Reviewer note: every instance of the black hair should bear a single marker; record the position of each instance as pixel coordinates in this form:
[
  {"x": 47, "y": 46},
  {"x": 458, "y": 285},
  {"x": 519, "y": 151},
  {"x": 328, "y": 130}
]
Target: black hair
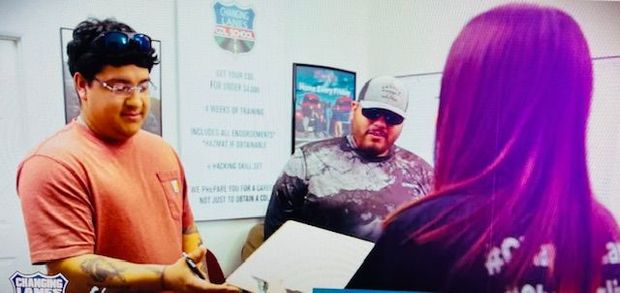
[{"x": 88, "y": 59}]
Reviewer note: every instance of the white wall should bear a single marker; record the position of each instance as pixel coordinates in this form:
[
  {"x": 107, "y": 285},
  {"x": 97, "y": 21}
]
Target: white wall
[
  {"x": 409, "y": 37},
  {"x": 369, "y": 37},
  {"x": 328, "y": 32}
]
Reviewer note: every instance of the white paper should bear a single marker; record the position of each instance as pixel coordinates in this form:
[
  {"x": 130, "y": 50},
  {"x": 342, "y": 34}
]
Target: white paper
[{"x": 300, "y": 257}]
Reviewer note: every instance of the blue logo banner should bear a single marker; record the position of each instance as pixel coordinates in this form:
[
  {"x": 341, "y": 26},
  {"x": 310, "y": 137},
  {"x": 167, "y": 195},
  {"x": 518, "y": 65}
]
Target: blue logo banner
[{"x": 38, "y": 282}]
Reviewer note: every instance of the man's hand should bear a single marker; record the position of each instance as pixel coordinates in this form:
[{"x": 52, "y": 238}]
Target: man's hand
[{"x": 179, "y": 278}]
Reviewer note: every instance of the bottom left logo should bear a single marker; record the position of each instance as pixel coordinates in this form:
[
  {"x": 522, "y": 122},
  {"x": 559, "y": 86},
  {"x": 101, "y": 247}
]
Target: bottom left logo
[{"x": 38, "y": 282}]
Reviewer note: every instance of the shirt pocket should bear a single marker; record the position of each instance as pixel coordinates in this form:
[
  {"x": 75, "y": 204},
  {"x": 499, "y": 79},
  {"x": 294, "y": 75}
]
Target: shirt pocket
[{"x": 171, "y": 184}]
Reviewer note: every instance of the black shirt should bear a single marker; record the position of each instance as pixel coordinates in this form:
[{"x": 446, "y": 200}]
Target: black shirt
[{"x": 399, "y": 263}]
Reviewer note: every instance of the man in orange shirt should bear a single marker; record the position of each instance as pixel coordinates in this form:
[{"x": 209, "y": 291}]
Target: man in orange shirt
[{"x": 104, "y": 202}]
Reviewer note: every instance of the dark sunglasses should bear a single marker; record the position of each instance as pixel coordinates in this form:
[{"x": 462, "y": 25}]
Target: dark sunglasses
[
  {"x": 117, "y": 41},
  {"x": 390, "y": 117}
]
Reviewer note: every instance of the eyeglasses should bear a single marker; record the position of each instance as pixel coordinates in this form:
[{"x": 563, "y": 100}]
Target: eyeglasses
[
  {"x": 390, "y": 117},
  {"x": 117, "y": 41},
  {"x": 125, "y": 89}
]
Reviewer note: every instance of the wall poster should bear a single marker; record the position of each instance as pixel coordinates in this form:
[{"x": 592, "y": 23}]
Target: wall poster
[
  {"x": 234, "y": 106},
  {"x": 322, "y": 99}
]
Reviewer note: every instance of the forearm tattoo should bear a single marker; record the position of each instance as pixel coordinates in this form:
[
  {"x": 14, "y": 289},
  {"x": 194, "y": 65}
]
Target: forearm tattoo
[{"x": 101, "y": 271}]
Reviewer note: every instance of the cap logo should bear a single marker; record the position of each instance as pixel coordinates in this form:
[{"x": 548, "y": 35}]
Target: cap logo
[
  {"x": 390, "y": 92},
  {"x": 385, "y": 92}
]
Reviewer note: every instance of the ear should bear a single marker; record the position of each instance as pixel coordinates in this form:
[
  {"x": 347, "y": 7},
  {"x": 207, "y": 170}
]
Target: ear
[
  {"x": 81, "y": 85},
  {"x": 354, "y": 106}
]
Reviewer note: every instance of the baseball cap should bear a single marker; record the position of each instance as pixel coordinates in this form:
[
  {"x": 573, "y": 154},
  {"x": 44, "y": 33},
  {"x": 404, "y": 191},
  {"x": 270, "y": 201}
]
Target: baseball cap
[{"x": 385, "y": 92}]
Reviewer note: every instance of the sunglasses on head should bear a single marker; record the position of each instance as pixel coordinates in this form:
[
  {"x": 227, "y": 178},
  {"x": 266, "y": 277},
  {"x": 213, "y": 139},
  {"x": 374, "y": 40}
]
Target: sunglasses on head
[
  {"x": 117, "y": 41},
  {"x": 390, "y": 117}
]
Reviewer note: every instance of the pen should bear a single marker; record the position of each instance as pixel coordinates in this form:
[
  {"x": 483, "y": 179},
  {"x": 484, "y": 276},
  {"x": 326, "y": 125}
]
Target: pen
[{"x": 192, "y": 266}]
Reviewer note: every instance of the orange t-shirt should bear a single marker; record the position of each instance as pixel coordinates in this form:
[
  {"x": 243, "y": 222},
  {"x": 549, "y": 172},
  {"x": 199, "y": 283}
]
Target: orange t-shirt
[{"x": 82, "y": 195}]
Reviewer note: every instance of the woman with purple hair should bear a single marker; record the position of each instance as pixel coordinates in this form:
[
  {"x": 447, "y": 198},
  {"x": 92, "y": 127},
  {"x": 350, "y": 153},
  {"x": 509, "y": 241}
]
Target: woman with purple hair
[{"x": 512, "y": 208}]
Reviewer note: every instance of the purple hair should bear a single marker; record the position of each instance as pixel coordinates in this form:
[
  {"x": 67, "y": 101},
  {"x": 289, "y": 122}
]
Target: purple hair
[{"x": 514, "y": 103}]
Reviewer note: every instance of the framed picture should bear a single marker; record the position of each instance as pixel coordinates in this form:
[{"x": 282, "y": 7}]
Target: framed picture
[
  {"x": 72, "y": 103},
  {"x": 322, "y": 99}
]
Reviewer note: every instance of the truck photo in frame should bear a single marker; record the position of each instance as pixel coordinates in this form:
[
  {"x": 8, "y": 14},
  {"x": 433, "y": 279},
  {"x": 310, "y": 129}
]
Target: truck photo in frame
[{"x": 322, "y": 99}]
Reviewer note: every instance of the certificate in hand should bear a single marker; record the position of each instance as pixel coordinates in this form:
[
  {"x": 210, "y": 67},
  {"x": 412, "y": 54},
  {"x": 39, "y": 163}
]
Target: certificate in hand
[{"x": 301, "y": 257}]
